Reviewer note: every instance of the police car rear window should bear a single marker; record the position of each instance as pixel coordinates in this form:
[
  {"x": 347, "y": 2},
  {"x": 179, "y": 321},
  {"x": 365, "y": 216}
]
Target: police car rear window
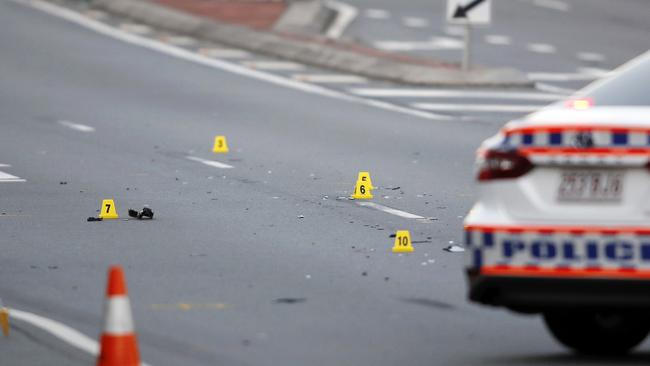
[{"x": 629, "y": 88}]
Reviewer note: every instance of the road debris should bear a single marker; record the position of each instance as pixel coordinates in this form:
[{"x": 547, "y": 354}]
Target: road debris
[
  {"x": 290, "y": 300},
  {"x": 145, "y": 213},
  {"x": 63, "y": 182},
  {"x": 301, "y": 216},
  {"x": 454, "y": 249},
  {"x": 91, "y": 219}
]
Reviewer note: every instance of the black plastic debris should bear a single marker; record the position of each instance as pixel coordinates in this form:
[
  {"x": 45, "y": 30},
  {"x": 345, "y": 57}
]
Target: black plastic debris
[
  {"x": 290, "y": 300},
  {"x": 145, "y": 213},
  {"x": 63, "y": 182},
  {"x": 91, "y": 219},
  {"x": 454, "y": 249}
]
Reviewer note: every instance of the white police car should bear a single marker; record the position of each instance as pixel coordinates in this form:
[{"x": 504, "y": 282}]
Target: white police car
[{"x": 562, "y": 226}]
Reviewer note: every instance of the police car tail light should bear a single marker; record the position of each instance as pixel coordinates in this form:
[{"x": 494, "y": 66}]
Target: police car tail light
[{"x": 497, "y": 164}]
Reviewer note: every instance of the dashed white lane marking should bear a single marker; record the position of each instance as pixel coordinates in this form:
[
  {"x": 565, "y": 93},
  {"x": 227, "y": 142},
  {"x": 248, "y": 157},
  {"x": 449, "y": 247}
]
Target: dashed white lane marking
[
  {"x": 449, "y": 93},
  {"x": 552, "y": 4},
  {"x": 331, "y": 78},
  {"x": 390, "y": 210},
  {"x": 5, "y": 165},
  {"x": 211, "y": 163},
  {"x": 65, "y": 333},
  {"x": 454, "y": 31},
  {"x": 541, "y": 48},
  {"x": 436, "y": 43},
  {"x": 553, "y": 89},
  {"x": 6, "y": 177},
  {"x": 226, "y": 53},
  {"x": 135, "y": 28},
  {"x": 498, "y": 108},
  {"x": 498, "y": 40},
  {"x": 415, "y": 22},
  {"x": 590, "y": 56},
  {"x": 346, "y": 14},
  {"x": 274, "y": 65},
  {"x": 187, "y": 55},
  {"x": 77, "y": 126},
  {"x": 376, "y": 14}
]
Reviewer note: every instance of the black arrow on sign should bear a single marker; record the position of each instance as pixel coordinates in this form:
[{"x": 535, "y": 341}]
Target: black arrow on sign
[{"x": 461, "y": 11}]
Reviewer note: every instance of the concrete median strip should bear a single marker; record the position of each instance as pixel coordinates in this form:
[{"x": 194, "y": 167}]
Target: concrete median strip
[{"x": 344, "y": 57}]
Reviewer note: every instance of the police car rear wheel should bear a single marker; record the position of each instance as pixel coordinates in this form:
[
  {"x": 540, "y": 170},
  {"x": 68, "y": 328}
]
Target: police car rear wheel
[{"x": 598, "y": 332}]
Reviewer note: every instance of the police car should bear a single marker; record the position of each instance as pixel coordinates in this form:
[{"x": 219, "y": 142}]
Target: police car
[{"x": 562, "y": 225}]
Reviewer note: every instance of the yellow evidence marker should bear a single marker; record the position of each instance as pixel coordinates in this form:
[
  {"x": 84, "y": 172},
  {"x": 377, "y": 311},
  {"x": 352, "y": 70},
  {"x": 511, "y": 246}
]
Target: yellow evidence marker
[
  {"x": 108, "y": 211},
  {"x": 362, "y": 191},
  {"x": 4, "y": 321},
  {"x": 220, "y": 145},
  {"x": 402, "y": 242},
  {"x": 365, "y": 177}
]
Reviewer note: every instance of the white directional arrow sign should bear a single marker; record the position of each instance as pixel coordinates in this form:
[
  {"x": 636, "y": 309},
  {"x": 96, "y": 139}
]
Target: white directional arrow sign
[{"x": 469, "y": 11}]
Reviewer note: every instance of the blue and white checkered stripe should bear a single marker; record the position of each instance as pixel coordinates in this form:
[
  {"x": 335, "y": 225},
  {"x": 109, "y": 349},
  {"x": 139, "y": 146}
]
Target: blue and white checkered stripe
[{"x": 605, "y": 139}]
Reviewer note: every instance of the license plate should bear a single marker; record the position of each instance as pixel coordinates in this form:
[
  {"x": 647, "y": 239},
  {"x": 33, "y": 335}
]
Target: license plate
[{"x": 591, "y": 185}]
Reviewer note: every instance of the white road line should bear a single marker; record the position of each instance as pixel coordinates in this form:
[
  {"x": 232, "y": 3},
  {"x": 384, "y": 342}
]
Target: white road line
[
  {"x": 552, "y": 4},
  {"x": 455, "y": 31},
  {"x": 65, "y": 333},
  {"x": 584, "y": 73},
  {"x": 452, "y": 93},
  {"x": 345, "y": 16},
  {"x": 541, "y": 48},
  {"x": 376, "y": 14},
  {"x": 187, "y": 55},
  {"x": 211, "y": 163},
  {"x": 498, "y": 40},
  {"x": 5, "y": 165},
  {"x": 390, "y": 210},
  {"x": 590, "y": 56},
  {"x": 436, "y": 43},
  {"x": 553, "y": 89},
  {"x": 226, "y": 53},
  {"x": 330, "y": 78},
  {"x": 503, "y": 108},
  {"x": 77, "y": 126},
  {"x": 6, "y": 177},
  {"x": 135, "y": 28},
  {"x": 273, "y": 65},
  {"x": 415, "y": 22}
]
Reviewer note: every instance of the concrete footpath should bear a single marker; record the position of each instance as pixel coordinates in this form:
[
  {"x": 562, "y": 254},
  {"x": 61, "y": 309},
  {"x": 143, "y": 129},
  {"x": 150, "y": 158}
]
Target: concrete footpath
[{"x": 181, "y": 17}]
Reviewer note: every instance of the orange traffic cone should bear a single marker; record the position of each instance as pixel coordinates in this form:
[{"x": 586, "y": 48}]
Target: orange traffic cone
[{"x": 119, "y": 346}]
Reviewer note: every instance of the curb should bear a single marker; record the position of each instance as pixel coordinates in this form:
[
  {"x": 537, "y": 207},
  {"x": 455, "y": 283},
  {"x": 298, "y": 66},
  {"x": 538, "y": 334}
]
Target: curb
[{"x": 373, "y": 64}]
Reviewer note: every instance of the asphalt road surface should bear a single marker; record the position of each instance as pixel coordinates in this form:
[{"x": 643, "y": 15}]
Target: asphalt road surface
[{"x": 259, "y": 264}]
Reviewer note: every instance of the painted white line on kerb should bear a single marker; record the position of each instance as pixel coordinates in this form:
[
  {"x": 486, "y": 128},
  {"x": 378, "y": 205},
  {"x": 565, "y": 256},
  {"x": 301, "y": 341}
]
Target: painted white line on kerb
[
  {"x": 376, "y": 14},
  {"x": 541, "y": 48},
  {"x": 449, "y": 93},
  {"x": 331, "y": 78},
  {"x": 552, "y": 4},
  {"x": 436, "y": 43},
  {"x": 6, "y": 177},
  {"x": 497, "y": 40},
  {"x": 77, "y": 126},
  {"x": 135, "y": 28},
  {"x": 65, "y": 333},
  {"x": 390, "y": 210},
  {"x": 211, "y": 163},
  {"x": 229, "y": 53},
  {"x": 187, "y": 55},
  {"x": 346, "y": 14},
  {"x": 516, "y": 108},
  {"x": 273, "y": 65}
]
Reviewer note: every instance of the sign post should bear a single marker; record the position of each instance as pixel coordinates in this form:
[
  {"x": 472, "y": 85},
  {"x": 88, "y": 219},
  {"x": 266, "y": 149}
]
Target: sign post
[{"x": 468, "y": 13}]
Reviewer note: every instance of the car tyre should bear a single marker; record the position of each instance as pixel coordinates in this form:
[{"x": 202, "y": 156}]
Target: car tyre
[{"x": 598, "y": 332}]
